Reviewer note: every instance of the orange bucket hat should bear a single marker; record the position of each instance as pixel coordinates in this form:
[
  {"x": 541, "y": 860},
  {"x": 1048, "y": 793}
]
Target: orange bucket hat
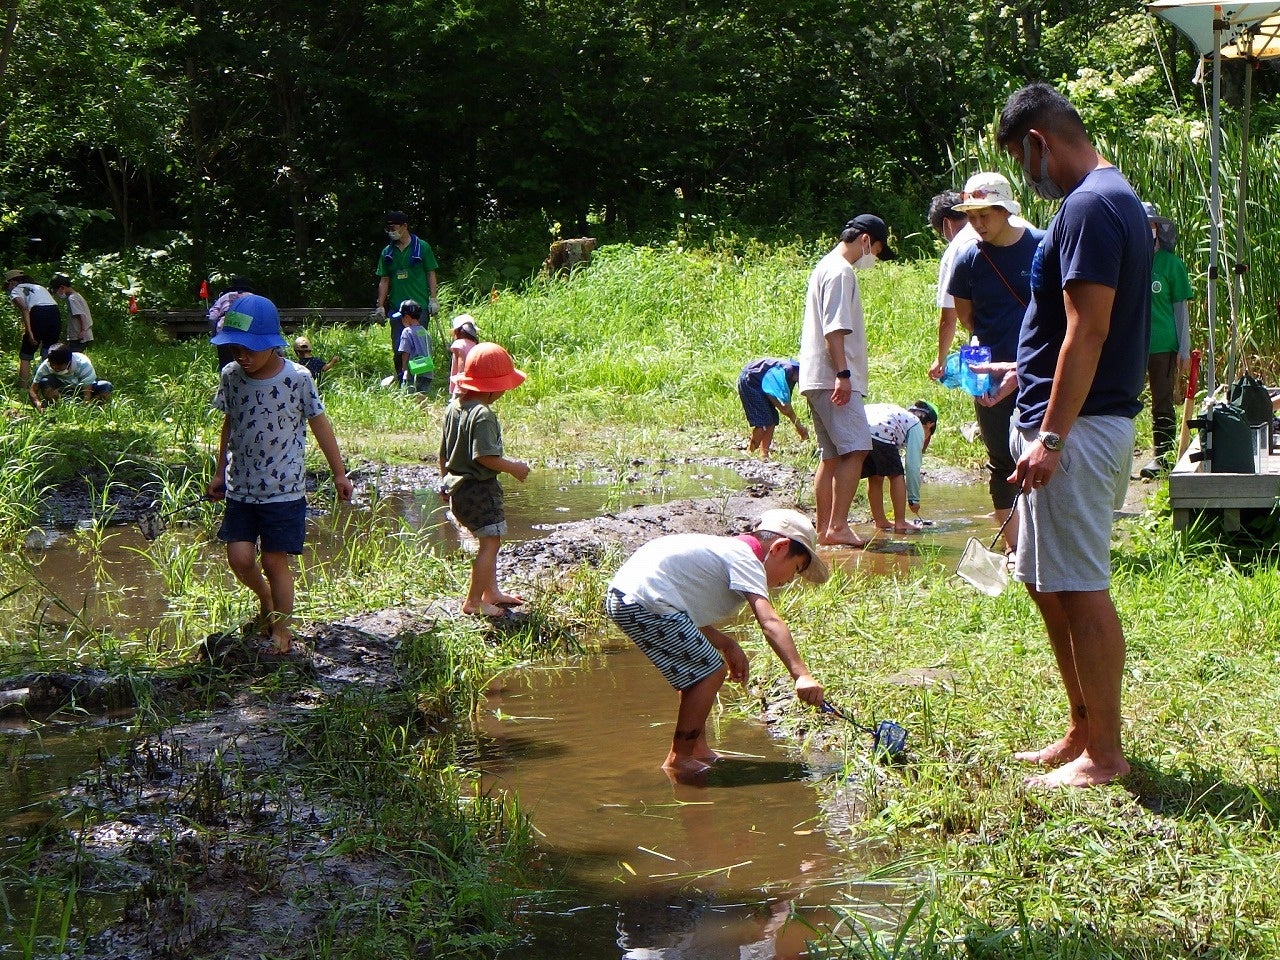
[{"x": 488, "y": 370}]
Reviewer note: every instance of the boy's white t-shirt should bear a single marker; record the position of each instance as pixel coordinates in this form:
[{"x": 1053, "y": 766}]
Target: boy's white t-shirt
[
  {"x": 84, "y": 327},
  {"x": 704, "y": 576},
  {"x": 267, "y": 444}
]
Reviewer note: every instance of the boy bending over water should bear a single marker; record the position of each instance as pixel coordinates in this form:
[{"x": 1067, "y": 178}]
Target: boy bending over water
[{"x": 667, "y": 597}]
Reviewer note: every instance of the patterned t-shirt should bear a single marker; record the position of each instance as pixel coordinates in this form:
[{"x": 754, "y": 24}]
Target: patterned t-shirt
[{"x": 268, "y": 435}]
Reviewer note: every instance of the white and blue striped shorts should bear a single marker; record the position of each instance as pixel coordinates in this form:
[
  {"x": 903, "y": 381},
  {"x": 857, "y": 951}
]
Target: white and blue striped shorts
[{"x": 671, "y": 641}]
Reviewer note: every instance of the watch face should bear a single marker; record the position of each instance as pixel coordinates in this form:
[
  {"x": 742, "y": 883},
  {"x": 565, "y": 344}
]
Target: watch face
[{"x": 1051, "y": 440}]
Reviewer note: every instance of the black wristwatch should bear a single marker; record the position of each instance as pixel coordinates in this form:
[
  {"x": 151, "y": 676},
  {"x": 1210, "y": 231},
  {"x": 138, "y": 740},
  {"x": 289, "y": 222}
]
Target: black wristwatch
[
  {"x": 844, "y": 374},
  {"x": 1051, "y": 441}
]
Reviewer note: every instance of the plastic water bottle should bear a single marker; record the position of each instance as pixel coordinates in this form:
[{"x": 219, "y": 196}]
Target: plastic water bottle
[
  {"x": 951, "y": 371},
  {"x": 975, "y": 384}
]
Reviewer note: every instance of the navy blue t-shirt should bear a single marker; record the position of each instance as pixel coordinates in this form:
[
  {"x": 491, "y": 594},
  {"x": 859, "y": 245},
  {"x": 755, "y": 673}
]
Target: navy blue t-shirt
[
  {"x": 998, "y": 307},
  {"x": 1101, "y": 235}
]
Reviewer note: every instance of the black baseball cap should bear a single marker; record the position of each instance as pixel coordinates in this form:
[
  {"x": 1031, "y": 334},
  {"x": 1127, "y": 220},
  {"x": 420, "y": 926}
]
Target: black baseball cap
[
  {"x": 397, "y": 216},
  {"x": 872, "y": 225}
]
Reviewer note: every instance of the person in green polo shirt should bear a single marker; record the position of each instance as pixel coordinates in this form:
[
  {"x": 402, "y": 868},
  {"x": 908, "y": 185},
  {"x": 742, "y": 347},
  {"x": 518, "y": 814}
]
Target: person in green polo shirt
[
  {"x": 406, "y": 271},
  {"x": 1170, "y": 351}
]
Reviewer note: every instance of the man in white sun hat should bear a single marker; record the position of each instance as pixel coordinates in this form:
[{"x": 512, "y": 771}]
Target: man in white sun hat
[
  {"x": 991, "y": 287},
  {"x": 672, "y": 591}
]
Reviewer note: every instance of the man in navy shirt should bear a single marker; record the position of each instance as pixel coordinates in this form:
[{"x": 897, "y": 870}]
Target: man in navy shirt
[
  {"x": 991, "y": 288},
  {"x": 1080, "y": 368}
]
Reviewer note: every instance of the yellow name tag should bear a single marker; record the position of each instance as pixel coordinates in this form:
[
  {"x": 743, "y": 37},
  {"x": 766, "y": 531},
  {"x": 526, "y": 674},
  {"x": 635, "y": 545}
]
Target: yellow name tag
[{"x": 402, "y": 275}]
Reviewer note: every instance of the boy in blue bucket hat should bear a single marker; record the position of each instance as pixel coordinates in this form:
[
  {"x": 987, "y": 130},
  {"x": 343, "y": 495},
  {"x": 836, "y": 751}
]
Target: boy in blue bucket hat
[{"x": 267, "y": 404}]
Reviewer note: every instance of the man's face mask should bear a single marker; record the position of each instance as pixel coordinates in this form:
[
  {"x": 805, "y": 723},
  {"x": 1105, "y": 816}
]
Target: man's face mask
[
  {"x": 867, "y": 260},
  {"x": 393, "y": 231},
  {"x": 1044, "y": 188}
]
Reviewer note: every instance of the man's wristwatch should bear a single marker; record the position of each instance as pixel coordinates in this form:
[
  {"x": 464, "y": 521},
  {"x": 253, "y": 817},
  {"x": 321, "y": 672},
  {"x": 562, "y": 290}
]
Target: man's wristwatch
[
  {"x": 844, "y": 374},
  {"x": 1051, "y": 441}
]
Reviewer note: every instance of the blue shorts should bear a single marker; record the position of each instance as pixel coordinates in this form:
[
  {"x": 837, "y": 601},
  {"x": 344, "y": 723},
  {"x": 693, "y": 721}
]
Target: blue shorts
[
  {"x": 755, "y": 404},
  {"x": 672, "y": 642},
  {"x": 277, "y": 527}
]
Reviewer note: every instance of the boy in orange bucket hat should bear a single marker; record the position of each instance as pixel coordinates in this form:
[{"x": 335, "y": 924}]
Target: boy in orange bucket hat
[{"x": 471, "y": 459}]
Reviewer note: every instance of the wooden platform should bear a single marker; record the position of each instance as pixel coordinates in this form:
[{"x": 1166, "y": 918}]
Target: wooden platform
[
  {"x": 193, "y": 323},
  {"x": 1192, "y": 490}
]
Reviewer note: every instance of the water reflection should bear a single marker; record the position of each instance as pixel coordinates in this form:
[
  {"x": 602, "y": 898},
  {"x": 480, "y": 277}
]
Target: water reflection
[{"x": 739, "y": 868}]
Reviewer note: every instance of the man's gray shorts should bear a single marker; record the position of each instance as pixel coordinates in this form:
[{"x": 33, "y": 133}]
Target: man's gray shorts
[
  {"x": 1064, "y": 537},
  {"x": 839, "y": 430}
]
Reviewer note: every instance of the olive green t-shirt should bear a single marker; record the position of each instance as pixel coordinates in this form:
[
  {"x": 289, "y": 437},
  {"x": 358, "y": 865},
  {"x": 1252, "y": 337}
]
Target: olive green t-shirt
[{"x": 470, "y": 430}]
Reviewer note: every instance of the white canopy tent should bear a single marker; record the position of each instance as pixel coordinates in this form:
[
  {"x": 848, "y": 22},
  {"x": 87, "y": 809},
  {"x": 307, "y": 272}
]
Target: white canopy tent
[{"x": 1210, "y": 26}]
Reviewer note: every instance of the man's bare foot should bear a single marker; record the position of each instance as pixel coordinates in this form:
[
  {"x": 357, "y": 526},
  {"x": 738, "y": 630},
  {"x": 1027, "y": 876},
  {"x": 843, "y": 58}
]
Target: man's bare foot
[
  {"x": 500, "y": 599},
  {"x": 1055, "y": 754},
  {"x": 1083, "y": 771},
  {"x": 706, "y": 756},
  {"x": 483, "y": 609},
  {"x": 842, "y": 538}
]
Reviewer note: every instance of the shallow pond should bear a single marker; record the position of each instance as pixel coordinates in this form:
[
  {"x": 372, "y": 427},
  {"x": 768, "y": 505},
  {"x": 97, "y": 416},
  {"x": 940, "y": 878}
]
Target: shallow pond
[
  {"x": 636, "y": 866},
  {"x": 644, "y": 866}
]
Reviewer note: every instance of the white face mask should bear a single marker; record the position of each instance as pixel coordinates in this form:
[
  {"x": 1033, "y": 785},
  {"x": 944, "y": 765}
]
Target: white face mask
[
  {"x": 394, "y": 234},
  {"x": 868, "y": 259}
]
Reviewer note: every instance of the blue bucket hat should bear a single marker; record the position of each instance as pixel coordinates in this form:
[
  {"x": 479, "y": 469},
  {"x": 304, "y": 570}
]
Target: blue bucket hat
[{"x": 253, "y": 323}]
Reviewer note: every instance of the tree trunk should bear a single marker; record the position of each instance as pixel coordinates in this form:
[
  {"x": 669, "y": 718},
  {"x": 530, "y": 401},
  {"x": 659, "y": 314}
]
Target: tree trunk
[{"x": 10, "y": 28}]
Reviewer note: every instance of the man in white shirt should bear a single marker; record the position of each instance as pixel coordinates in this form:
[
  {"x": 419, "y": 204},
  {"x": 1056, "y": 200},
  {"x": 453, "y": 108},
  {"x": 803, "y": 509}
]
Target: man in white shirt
[{"x": 833, "y": 372}]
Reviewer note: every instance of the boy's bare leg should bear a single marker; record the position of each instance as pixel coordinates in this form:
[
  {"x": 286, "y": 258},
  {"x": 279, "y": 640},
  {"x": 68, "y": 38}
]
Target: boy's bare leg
[
  {"x": 875, "y": 500},
  {"x": 690, "y": 755},
  {"x": 24, "y": 373},
  {"x": 484, "y": 580},
  {"x": 757, "y": 436},
  {"x": 898, "y": 497},
  {"x": 242, "y": 557},
  {"x": 279, "y": 576},
  {"x": 766, "y": 442}
]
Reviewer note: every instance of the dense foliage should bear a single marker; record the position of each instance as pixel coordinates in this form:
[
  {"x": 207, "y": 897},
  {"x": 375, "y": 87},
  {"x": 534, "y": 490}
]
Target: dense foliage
[{"x": 269, "y": 138}]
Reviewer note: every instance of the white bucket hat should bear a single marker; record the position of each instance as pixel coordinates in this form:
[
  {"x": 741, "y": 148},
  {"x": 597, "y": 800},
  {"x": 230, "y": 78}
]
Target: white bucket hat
[
  {"x": 794, "y": 525},
  {"x": 984, "y": 190}
]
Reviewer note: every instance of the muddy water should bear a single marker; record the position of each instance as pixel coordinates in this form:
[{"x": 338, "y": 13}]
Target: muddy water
[
  {"x": 639, "y": 868},
  {"x": 636, "y": 863}
]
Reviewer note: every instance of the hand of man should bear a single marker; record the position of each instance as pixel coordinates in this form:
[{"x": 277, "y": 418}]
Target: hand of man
[
  {"x": 841, "y": 393},
  {"x": 380, "y": 312},
  {"x": 433, "y": 307}
]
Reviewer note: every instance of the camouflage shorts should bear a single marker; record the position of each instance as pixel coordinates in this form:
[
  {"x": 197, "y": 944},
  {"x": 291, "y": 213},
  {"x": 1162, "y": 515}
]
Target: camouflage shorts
[{"x": 477, "y": 505}]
